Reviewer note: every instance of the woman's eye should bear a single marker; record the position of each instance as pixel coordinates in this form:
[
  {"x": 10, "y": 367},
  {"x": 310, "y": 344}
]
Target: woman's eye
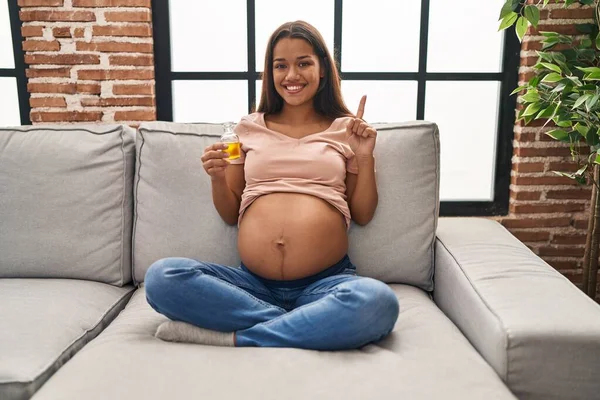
[{"x": 279, "y": 66}]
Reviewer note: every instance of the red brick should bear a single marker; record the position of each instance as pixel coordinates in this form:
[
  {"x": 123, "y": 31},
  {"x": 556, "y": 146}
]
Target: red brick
[
  {"x": 115, "y": 47},
  {"x": 574, "y": 13},
  {"x": 128, "y": 16},
  {"x": 66, "y": 88},
  {"x": 35, "y": 102},
  {"x": 569, "y": 239},
  {"x": 565, "y": 29},
  {"x": 48, "y": 72},
  {"x": 62, "y": 32},
  {"x": 137, "y": 115},
  {"x": 40, "y": 3},
  {"x": 88, "y": 88},
  {"x": 141, "y": 60},
  {"x": 580, "y": 224},
  {"x": 531, "y": 236},
  {"x": 133, "y": 89},
  {"x": 41, "y": 45},
  {"x": 575, "y": 194},
  {"x": 562, "y": 251},
  {"x": 532, "y": 45},
  {"x": 542, "y": 180},
  {"x": 79, "y": 32},
  {"x": 68, "y": 16},
  {"x": 536, "y": 222},
  {"x": 524, "y": 77},
  {"x": 111, "y": 3},
  {"x": 62, "y": 59},
  {"x": 119, "y": 102},
  {"x": 133, "y": 31},
  {"x": 65, "y": 116},
  {"x": 546, "y": 208},
  {"x": 542, "y": 151},
  {"x": 115, "y": 74},
  {"x": 525, "y": 136},
  {"x": 529, "y": 167},
  {"x": 522, "y": 195},
  {"x": 32, "y": 31},
  {"x": 564, "y": 266},
  {"x": 564, "y": 166}
]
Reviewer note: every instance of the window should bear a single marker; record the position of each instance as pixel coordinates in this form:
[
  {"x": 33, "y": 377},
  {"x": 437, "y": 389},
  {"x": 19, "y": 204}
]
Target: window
[
  {"x": 414, "y": 60},
  {"x": 14, "y": 106}
]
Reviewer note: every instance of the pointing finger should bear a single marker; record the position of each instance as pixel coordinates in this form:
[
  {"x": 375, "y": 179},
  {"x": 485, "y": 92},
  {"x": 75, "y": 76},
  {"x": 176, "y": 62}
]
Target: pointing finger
[{"x": 361, "y": 107}]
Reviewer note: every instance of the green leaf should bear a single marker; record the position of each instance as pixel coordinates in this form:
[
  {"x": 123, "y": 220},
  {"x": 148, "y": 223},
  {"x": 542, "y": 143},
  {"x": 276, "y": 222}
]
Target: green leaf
[
  {"x": 582, "y": 129},
  {"x": 586, "y": 2},
  {"x": 591, "y": 102},
  {"x": 589, "y": 70},
  {"x": 595, "y": 76},
  {"x": 581, "y": 100},
  {"x": 532, "y": 109},
  {"x": 521, "y": 27},
  {"x": 532, "y": 14},
  {"x": 506, "y": 9},
  {"x": 558, "y": 134},
  {"x": 552, "y": 67},
  {"x": 585, "y": 43},
  {"x": 552, "y": 77},
  {"x": 518, "y": 89},
  {"x": 531, "y": 96},
  {"x": 597, "y": 160},
  {"x": 585, "y": 28},
  {"x": 591, "y": 137},
  {"x": 598, "y": 41},
  {"x": 508, "y": 20},
  {"x": 564, "y": 124},
  {"x": 547, "y": 112}
]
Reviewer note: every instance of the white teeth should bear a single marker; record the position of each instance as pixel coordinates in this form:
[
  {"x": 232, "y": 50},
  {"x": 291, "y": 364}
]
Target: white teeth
[{"x": 293, "y": 88}]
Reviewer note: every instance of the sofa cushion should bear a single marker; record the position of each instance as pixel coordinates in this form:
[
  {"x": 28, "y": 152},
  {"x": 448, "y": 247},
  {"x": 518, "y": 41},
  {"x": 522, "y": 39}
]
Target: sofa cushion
[
  {"x": 425, "y": 357},
  {"x": 66, "y": 202},
  {"x": 44, "y": 322},
  {"x": 175, "y": 215}
]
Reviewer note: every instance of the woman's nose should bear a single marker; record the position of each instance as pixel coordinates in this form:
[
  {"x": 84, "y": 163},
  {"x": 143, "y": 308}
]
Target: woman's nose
[{"x": 292, "y": 73}]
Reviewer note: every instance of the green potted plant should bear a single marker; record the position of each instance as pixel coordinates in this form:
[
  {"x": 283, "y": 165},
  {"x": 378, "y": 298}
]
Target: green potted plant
[{"x": 566, "y": 92}]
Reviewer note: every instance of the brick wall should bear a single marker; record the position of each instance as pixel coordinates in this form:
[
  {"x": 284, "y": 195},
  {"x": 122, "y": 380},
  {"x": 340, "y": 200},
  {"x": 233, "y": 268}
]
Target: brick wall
[
  {"x": 92, "y": 60},
  {"x": 548, "y": 212},
  {"x": 89, "y": 60}
]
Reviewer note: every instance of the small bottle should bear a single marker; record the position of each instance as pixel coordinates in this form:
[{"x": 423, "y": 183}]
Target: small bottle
[{"x": 231, "y": 140}]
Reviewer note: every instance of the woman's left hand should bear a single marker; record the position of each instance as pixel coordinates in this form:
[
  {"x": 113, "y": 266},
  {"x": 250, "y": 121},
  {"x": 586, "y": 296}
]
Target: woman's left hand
[{"x": 361, "y": 136}]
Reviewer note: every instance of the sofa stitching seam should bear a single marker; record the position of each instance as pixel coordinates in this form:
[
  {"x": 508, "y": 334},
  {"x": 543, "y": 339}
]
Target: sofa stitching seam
[{"x": 122, "y": 269}]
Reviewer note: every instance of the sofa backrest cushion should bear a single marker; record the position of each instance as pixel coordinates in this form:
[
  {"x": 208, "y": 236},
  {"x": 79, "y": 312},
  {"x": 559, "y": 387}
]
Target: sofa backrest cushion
[
  {"x": 175, "y": 215},
  {"x": 66, "y": 202}
]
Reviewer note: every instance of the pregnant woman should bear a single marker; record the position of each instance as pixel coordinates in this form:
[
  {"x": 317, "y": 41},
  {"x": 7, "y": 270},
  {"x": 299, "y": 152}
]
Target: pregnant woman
[{"x": 306, "y": 170}]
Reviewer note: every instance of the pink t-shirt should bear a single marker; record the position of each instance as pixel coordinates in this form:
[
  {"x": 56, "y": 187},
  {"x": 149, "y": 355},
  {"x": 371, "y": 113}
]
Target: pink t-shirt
[{"x": 315, "y": 164}]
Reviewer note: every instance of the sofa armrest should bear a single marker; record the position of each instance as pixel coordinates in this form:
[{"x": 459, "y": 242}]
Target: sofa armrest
[{"x": 532, "y": 325}]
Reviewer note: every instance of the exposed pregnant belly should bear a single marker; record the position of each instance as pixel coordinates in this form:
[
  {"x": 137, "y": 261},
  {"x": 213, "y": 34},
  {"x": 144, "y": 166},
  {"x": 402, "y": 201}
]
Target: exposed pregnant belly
[{"x": 287, "y": 236}]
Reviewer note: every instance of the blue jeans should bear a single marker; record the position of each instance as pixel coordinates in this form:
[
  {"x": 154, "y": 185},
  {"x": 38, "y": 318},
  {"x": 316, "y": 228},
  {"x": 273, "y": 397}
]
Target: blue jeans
[{"x": 332, "y": 310}]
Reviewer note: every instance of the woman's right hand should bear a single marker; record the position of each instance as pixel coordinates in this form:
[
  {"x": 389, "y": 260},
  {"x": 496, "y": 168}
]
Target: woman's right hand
[{"x": 214, "y": 160}]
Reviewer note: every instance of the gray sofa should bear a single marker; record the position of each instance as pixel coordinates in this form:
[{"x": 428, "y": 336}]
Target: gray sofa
[{"x": 85, "y": 210}]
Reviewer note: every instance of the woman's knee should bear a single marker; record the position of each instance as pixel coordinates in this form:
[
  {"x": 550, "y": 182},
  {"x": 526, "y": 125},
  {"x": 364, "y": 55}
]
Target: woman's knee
[
  {"x": 378, "y": 303},
  {"x": 159, "y": 274}
]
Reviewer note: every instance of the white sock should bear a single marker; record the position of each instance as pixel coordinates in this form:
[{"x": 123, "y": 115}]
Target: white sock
[{"x": 177, "y": 331}]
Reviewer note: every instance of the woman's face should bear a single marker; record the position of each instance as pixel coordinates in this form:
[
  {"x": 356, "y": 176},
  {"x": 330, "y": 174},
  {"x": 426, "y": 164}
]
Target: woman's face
[{"x": 296, "y": 71}]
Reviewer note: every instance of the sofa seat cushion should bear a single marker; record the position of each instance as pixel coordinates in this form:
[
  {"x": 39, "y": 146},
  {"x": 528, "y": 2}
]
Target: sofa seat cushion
[
  {"x": 425, "y": 357},
  {"x": 44, "y": 322}
]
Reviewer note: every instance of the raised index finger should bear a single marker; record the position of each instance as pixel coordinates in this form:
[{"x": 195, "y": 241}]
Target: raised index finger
[{"x": 361, "y": 107}]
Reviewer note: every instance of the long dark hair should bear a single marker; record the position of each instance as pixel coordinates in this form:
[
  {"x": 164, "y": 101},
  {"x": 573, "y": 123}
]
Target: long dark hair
[{"x": 328, "y": 101}]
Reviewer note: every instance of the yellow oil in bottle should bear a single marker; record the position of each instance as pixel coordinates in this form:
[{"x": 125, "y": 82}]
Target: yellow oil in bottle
[{"x": 233, "y": 149}]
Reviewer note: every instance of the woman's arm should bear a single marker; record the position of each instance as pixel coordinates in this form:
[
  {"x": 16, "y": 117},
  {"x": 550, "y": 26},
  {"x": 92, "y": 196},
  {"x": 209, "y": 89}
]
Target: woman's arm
[
  {"x": 361, "y": 190},
  {"x": 227, "y": 193}
]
